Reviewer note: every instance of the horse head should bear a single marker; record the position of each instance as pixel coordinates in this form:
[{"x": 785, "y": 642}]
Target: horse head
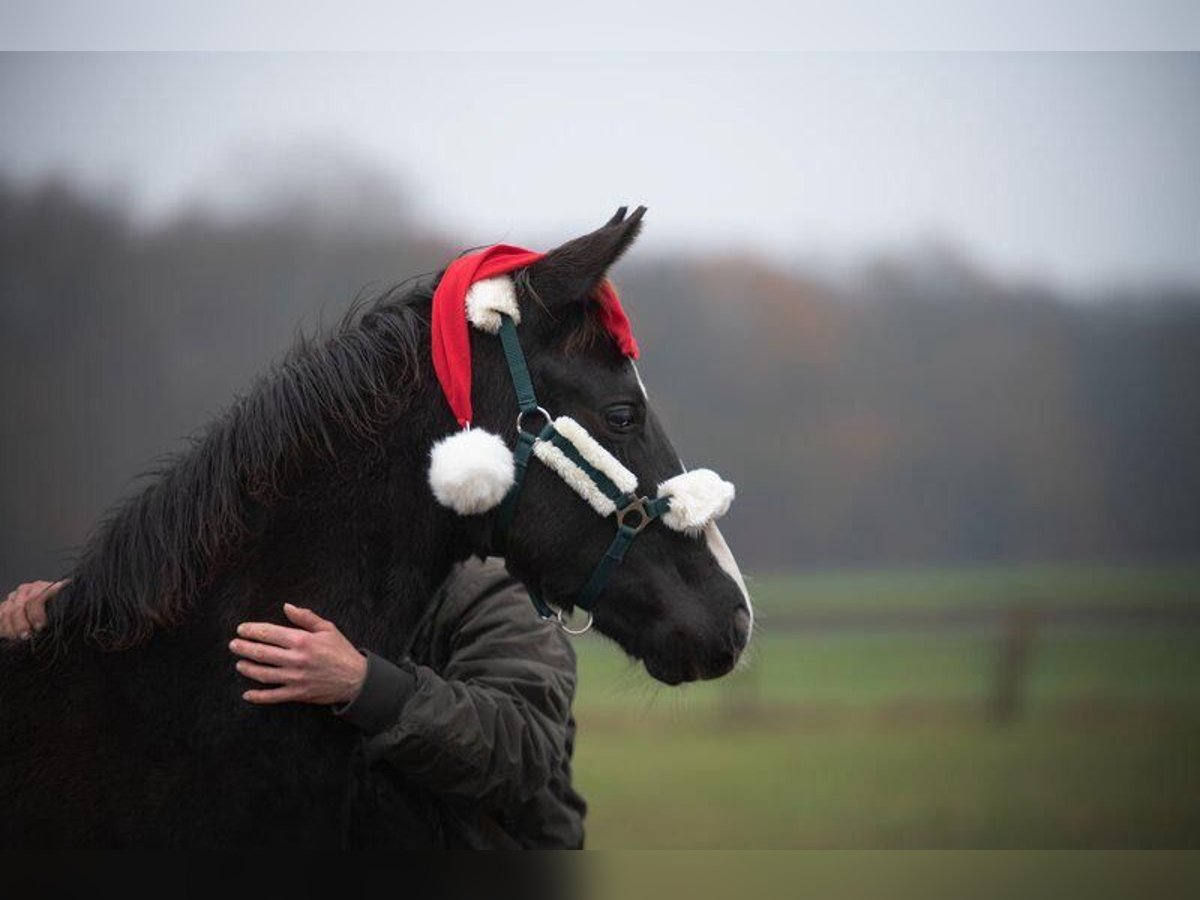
[{"x": 598, "y": 464}]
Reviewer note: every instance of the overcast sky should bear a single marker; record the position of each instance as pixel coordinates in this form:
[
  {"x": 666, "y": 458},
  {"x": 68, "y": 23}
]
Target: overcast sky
[{"x": 1076, "y": 167}]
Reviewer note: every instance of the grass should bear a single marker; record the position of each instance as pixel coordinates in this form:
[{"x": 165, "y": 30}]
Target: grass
[
  {"x": 1153, "y": 666},
  {"x": 881, "y": 739},
  {"x": 1046, "y": 782}
]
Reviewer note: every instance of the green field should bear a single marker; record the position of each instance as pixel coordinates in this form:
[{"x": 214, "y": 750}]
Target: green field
[
  {"x": 853, "y": 738},
  {"x": 978, "y": 585}
]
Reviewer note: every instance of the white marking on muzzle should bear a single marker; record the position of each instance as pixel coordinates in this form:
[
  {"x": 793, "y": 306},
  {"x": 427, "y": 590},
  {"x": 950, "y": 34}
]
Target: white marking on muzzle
[
  {"x": 724, "y": 556},
  {"x": 712, "y": 535}
]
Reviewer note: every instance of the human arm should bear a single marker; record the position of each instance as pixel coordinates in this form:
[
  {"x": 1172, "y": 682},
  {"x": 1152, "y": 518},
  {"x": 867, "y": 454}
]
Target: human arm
[{"x": 490, "y": 723}]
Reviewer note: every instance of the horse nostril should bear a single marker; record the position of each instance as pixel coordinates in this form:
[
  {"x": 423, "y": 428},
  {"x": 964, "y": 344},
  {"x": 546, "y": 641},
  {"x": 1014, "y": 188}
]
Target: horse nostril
[{"x": 741, "y": 627}]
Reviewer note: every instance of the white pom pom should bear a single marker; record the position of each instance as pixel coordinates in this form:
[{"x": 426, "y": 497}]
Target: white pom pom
[
  {"x": 470, "y": 471},
  {"x": 697, "y": 498}
]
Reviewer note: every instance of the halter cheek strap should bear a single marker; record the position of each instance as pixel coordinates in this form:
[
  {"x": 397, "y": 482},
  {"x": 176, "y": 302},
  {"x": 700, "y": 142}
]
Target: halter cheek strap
[{"x": 633, "y": 513}]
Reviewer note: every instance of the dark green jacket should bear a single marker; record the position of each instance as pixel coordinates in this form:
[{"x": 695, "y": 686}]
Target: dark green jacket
[{"x": 478, "y": 717}]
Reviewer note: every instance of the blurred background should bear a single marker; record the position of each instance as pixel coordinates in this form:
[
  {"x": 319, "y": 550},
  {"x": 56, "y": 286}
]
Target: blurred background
[{"x": 938, "y": 317}]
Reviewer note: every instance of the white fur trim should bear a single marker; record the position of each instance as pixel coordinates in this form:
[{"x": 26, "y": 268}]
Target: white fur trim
[
  {"x": 488, "y": 298},
  {"x": 697, "y": 498},
  {"x": 470, "y": 471}
]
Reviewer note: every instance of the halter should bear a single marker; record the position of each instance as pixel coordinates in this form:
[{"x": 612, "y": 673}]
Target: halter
[
  {"x": 474, "y": 471},
  {"x": 633, "y": 513}
]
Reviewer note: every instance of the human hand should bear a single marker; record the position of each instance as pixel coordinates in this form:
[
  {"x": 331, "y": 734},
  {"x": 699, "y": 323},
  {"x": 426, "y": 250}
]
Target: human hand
[
  {"x": 313, "y": 663},
  {"x": 24, "y": 610}
]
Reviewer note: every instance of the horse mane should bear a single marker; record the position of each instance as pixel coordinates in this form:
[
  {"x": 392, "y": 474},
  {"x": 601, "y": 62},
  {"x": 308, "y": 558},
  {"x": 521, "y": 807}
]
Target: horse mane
[{"x": 143, "y": 566}]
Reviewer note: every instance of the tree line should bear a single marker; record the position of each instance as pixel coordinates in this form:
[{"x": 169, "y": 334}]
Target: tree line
[{"x": 914, "y": 411}]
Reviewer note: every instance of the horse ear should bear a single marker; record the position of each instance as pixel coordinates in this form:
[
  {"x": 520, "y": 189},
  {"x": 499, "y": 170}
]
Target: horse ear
[
  {"x": 567, "y": 274},
  {"x": 620, "y": 216}
]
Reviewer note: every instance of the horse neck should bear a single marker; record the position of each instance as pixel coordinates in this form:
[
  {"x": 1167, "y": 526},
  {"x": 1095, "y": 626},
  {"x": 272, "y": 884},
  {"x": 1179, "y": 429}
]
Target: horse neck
[{"x": 366, "y": 543}]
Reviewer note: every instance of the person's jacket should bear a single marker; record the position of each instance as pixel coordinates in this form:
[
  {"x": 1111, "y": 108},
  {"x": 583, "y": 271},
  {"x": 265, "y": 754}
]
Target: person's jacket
[{"x": 479, "y": 715}]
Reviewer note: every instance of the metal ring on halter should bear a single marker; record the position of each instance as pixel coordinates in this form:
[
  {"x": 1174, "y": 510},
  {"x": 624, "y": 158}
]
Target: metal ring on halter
[
  {"x": 521, "y": 416},
  {"x": 563, "y": 624},
  {"x": 636, "y": 507}
]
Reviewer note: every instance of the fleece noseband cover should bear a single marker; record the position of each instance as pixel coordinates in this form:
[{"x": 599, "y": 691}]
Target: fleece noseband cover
[
  {"x": 697, "y": 497},
  {"x": 579, "y": 481}
]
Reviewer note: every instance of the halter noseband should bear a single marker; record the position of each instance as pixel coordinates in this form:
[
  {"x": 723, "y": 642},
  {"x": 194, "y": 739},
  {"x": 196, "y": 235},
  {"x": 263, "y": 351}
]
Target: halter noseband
[{"x": 633, "y": 513}]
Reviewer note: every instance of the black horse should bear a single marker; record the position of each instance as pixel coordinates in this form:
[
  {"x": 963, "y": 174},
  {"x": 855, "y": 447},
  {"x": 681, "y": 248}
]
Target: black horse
[{"x": 122, "y": 724}]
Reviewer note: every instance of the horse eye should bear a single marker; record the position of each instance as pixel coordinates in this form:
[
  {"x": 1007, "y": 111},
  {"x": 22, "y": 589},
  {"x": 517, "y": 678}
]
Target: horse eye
[{"x": 620, "y": 418}]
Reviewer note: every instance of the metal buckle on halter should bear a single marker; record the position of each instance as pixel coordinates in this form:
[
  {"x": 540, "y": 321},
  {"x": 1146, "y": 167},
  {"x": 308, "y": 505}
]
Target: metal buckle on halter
[{"x": 636, "y": 506}]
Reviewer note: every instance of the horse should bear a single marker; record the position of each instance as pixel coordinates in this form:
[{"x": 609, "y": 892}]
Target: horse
[{"x": 122, "y": 723}]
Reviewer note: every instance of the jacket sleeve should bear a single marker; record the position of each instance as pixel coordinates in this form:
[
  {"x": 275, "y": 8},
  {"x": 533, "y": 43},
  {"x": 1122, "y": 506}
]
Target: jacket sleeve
[{"x": 492, "y": 726}]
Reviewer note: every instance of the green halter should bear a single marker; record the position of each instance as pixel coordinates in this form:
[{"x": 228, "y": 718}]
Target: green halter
[{"x": 633, "y": 513}]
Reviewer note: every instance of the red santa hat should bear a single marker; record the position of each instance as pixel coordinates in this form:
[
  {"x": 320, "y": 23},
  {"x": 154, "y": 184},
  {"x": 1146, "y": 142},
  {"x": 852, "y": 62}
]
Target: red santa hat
[{"x": 471, "y": 470}]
